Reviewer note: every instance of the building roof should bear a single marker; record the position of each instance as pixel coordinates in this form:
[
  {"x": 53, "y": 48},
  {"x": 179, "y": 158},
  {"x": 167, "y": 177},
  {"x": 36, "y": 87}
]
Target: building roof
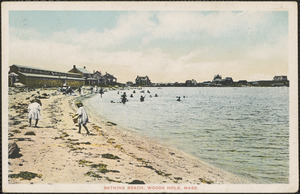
[
  {"x": 51, "y": 76},
  {"x": 109, "y": 75},
  {"x": 83, "y": 70},
  {"x": 142, "y": 76},
  {"x": 13, "y": 74},
  {"x": 28, "y": 67}
]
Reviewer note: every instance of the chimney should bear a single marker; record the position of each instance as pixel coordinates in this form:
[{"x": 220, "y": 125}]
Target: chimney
[
  {"x": 84, "y": 67},
  {"x": 93, "y": 71},
  {"x": 74, "y": 66}
]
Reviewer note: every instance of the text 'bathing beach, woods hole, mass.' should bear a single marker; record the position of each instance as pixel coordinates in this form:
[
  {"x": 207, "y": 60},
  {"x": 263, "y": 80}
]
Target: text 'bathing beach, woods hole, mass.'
[{"x": 149, "y": 101}]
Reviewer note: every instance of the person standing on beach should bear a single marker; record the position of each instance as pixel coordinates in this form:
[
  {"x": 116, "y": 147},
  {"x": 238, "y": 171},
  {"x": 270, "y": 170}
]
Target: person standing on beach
[
  {"x": 34, "y": 112},
  {"x": 82, "y": 117},
  {"x": 123, "y": 97},
  {"x": 101, "y": 92}
]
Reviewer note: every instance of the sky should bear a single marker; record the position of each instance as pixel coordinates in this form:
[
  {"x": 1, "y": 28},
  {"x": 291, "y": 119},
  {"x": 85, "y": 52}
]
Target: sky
[{"x": 168, "y": 46}]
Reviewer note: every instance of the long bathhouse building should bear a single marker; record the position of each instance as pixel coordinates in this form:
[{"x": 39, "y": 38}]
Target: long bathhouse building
[{"x": 36, "y": 77}]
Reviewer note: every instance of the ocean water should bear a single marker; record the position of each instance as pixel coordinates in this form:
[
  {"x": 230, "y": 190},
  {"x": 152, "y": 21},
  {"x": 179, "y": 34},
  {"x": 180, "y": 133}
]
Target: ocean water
[{"x": 241, "y": 130}]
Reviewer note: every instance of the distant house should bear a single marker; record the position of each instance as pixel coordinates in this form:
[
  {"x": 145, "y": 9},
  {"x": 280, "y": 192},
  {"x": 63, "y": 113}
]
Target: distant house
[
  {"x": 206, "y": 83},
  {"x": 191, "y": 82},
  {"x": 228, "y": 81},
  {"x": 217, "y": 77},
  {"x": 109, "y": 79},
  {"x": 254, "y": 83},
  {"x": 280, "y": 78},
  {"x": 89, "y": 80},
  {"x": 242, "y": 82},
  {"x": 100, "y": 79},
  {"x": 142, "y": 81},
  {"x": 103, "y": 79},
  {"x": 129, "y": 83},
  {"x": 219, "y": 81},
  {"x": 36, "y": 77}
]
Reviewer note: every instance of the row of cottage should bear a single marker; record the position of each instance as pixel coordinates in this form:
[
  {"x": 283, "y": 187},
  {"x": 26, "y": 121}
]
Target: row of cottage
[
  {"x": 35, "y": 77},
  {"x": 228, "y": 81}
]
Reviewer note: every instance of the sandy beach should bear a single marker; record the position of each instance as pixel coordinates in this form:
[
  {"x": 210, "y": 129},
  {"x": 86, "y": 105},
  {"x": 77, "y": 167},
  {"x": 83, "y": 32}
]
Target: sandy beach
[{"x": 55, "y": 152}]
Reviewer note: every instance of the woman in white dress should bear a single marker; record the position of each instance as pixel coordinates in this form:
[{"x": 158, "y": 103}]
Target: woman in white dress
[
  {"x": 34, "y": 112},
  {"x": 82, "y": 117}
]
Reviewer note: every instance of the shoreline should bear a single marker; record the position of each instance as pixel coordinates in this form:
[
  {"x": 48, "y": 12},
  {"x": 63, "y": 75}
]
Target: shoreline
[
  {"x": 160, "y": 145},
  {"x": 57, "y": 153}
]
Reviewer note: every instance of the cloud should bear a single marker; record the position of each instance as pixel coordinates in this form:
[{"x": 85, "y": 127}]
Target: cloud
[{"x": 140, "y": 43}]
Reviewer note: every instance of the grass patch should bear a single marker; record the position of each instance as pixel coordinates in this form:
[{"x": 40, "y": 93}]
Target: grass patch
[
  {"x": 137, "y": 182},
  {"x": 120, "y": 148},
  {"x": 103, "y": 168},
  {"x": 23, "y": 127},
  {"x": 96, "y": 127},
  {"x": 77, "y": 143},
  {"x": 110, "y": 156},
  {"x": 74, "y": 148},
  {"x": 16, "y": 131},
  {"x": 72, "y": 139},
  {"x": 92, "y": 174},
  {"x": 87, "y": 143},
  {"x": 65, "y": 134},
  {"x": 111, "y": 140},
  {"x": 84, "y": 162},
  {"x": 25, "y": 175},
  {"x": 205, "y": 181},
  {"x": 112, "y": 180},
  {"x": 158, "y": 172},
  {"x": 109, "y": 123}
]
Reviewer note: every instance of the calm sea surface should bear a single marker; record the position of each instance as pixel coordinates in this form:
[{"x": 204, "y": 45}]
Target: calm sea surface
[{"x": 241, "y": 130}]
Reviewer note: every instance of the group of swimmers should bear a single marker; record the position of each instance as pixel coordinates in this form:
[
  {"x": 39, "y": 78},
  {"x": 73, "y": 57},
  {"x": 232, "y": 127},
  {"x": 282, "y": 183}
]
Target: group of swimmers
[{"x": 142, "y": 98}]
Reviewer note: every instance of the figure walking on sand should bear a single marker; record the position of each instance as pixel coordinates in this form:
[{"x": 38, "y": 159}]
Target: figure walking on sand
[
  {"x": 123, "y": 97},
  {"x": 34, "y": 112},
  {"x": 82, "y": 117},
  {"x": 101, "y": 92}
]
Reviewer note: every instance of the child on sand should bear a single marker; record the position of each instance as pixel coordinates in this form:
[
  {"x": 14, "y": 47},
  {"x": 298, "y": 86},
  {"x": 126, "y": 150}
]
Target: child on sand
[
  {"x": 82, "y": 117},
  {"x": 34, "y": 112}
]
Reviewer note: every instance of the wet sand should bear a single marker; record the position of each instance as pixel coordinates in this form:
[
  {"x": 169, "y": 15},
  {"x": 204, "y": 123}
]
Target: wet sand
[{"x": 56, "y": 153}]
